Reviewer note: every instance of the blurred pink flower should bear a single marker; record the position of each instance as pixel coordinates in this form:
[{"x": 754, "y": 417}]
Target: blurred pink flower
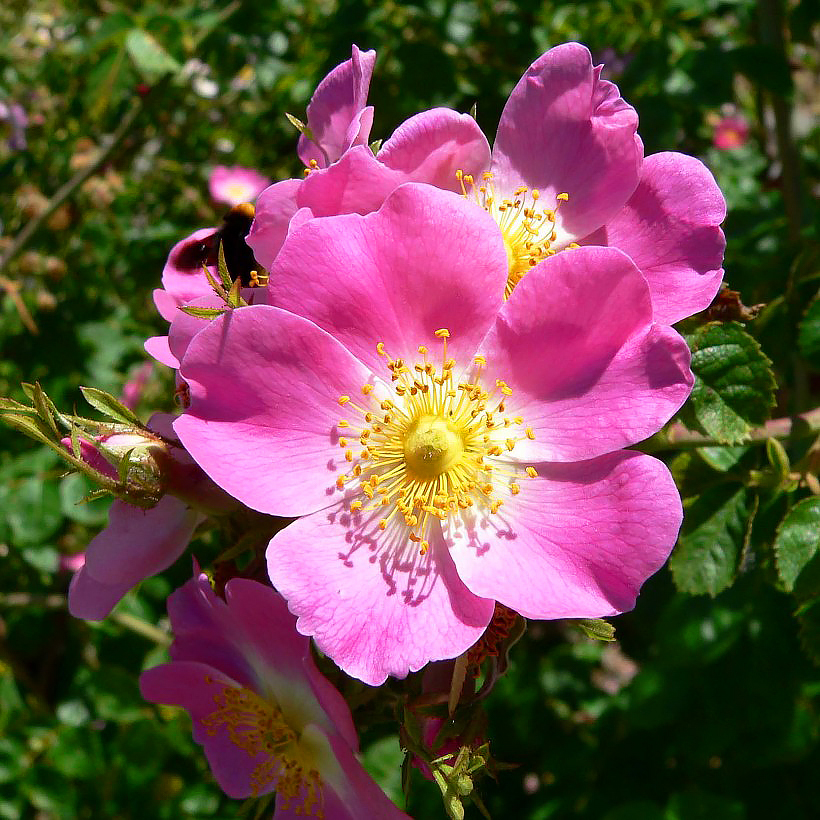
[
  {"x": 233, "y": 186},
  {"x": 444, "y": 448},
  {"x": 730, "y": 133},
  {"x": 132, "y": 389},
  {"x": 266, "y": 717}
]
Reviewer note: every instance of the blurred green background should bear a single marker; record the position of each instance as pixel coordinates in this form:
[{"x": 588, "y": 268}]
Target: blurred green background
[{"x": 707, "y": 708}]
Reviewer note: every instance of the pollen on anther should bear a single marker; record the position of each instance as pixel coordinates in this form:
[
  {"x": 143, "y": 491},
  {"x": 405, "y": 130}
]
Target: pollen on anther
[
  {"x": 515, "y": 488},
  {"x": 531, "y": 472},
  {"x": 367, "y": 389},
  {"x": 442, "y": 333},
  {"x": 356, "y": 506},
  {"x": 562, "y": 197},
  {"x": 529, "y": 433}
]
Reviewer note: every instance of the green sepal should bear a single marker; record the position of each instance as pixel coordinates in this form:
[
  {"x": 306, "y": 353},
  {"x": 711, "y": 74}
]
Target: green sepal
[{"x": 203, "y": 312}]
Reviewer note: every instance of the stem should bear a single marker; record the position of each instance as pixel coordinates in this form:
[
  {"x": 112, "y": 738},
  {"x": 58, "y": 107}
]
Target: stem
[{"x": 677, "y": 437}]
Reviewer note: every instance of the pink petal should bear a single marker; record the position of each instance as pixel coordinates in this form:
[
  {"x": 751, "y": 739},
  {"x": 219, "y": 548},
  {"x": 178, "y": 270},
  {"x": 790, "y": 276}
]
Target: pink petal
[
  {"x": 274, "y": 209},
  {"x": 670, "y": 228},
  {"x": 165, "y": 304},
  {"x": 91, "y": 600},
  {"x": 184, "y": 283},
  {"x": 369, "y": 599},
  {"x": 577, "y": 542},
  {"x": 139, "y": 543},
  {"x": 264, "y": 390},
  {"x": 588, "y": 370},
  {"x": 356, "y": 796},
  {"x": 564, "y": 130},
  {"x": 193, "y": 685},
  {"x": 431, "y": 146},
  {"x": 428, "y": 259},
  {"x": 158, "y": 347},
  {"x": 357, "y": 183},
  {"x": 335, "y": 114}
]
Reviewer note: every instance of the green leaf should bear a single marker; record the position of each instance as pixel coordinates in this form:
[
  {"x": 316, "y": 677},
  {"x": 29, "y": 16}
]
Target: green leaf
[
  {"x": 222, "y": 267},
  {"x": 808, "y": 339},
  {"x": 33, "y": 512},
  {"x": 706, "y": 558},
  {"x": 203, "y": 313},
  {"x": 597, "y": 628},
  {"x": 150, "y": 58},
  {"x": 734, "y": 385},
  {"x": 74, "y": 503},
  {"x": 796, "y": 549},
  {"x": 109, "y": 406}
]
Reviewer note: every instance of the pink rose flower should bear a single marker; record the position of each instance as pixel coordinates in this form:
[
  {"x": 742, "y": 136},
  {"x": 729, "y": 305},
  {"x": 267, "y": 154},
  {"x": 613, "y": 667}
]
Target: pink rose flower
[
  {"x": 444, "y": 448},
  {"x": 138, "y": 542},
  {"x": 265, "y": 716},
  {"x": 566, "y": 168},
  {"x": 235, "y": 185}
]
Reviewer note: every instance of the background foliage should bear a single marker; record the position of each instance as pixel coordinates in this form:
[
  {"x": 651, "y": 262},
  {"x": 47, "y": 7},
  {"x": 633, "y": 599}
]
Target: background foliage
[{"x": 707, "y": 707}]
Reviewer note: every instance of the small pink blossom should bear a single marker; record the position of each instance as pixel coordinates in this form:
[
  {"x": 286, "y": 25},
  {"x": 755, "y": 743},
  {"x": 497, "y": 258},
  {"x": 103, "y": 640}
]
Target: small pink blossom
[
  {"x": 443, "y": 448},
  {"x": 730, "y": 133},
  {"x": 235, "y": 185},
  {"x": 266, "y": 717},
  {"x": 133, "y": 388}
]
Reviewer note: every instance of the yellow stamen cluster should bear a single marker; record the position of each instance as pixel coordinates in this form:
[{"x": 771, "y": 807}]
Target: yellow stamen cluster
[
  {"x": 258, "y": 727},
  {"x": 527, "y": 227},
  {"x": 427, "y": 452}
]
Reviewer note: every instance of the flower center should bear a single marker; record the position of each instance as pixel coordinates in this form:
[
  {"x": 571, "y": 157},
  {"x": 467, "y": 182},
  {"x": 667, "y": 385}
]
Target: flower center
[
  {"x": 258, "y": 727},
  {"x": 527, "y": 227},
  {"x": 430, "y": 449}
]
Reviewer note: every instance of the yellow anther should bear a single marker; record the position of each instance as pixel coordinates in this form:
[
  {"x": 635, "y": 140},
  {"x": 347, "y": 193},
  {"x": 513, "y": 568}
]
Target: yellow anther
[
  {"x": 344, "y": 400},
  {"x": 487, "y": 175},
  {"x": 495, "y": 506},
  {"x": 573, "y": 245},
  {"x": 423, "y": 547},
  {"x": 343, "y": 423},
  {"x": 340, "y": 482},
  {"x": 348, "y": 455},
  {"x": 313, "y": 164},
  {"x": 515, "y": 488},
  {"x": 380, "y": 349},
  {"x": 531, "y": 472},
  {"x": 480, "y": 360},
  {"x": 383, "y": 524},
  {"x": 529, "y": 433},
  {"x": 443, "y": 333},
  {"x": 367, "y": 389},
  {"x": 535, "y": 193},
  {"x": 422, "y": 350},
  {"x": 562, "y": 197},
  {"x": 356, "y": 506},
  {"x": 342, "y": 442},
  {"x": 510, "y": 443},
  {"x": 414, "y": 538}
]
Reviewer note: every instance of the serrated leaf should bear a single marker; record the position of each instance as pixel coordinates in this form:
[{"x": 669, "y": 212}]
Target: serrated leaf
[
  {"x": 808, "y": 339},
  {"x": 222, "y": 267},
  {"x": 797, "y": 549},
  {"x": 10, "y": 405},
  {"x": 109, "y": 406},
  {"x": 706, "y": 559},
  {"x": 203, "y": 312},
  {"x": 734, "y": 386},
  {"x": 150, "y": 58},
  {"x": 32, "y": 426},
  {"x": 43, "y": 410},
  {"x": 235, "y": 294}
]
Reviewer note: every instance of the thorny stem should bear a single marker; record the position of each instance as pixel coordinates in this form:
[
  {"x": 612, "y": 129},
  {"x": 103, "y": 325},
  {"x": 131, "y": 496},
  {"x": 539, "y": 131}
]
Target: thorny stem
[{"x": 677, "y": 437}]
